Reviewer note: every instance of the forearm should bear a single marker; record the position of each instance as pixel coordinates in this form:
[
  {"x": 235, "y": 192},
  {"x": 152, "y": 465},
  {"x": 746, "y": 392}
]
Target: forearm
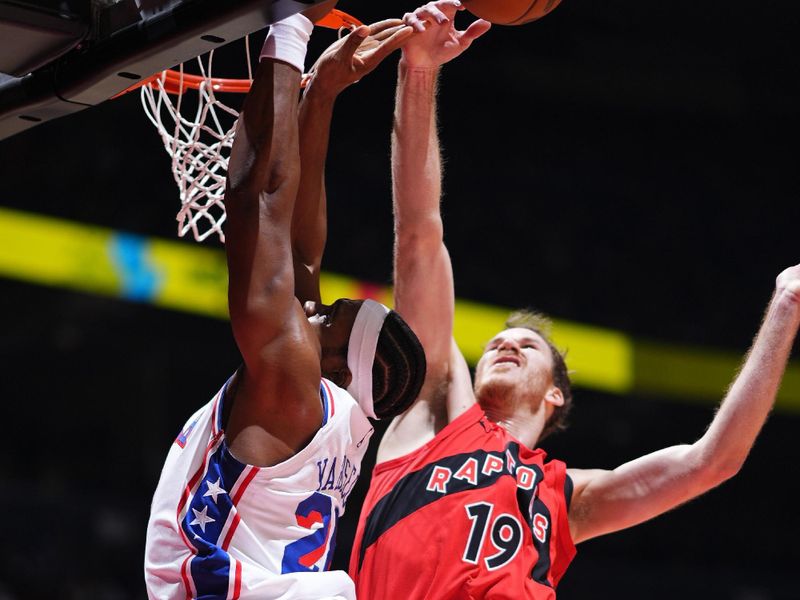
[
  {"x": 342, "y": 64},
  {"x": 745, "y": 409},
  {"x": 265, "y": 151},
  {"x": 309, "y": 223},
  {"x": 264, "y": 155},
  {"x": 264, "y": 165},
  {"x": 423, "y": 272},
  {"x": 416, "y": 156},
  {"x": 605, "y": 501}
]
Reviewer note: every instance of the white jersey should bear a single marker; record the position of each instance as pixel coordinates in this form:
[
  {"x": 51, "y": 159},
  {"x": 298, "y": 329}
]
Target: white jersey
[{"x": 223, "y": 529}]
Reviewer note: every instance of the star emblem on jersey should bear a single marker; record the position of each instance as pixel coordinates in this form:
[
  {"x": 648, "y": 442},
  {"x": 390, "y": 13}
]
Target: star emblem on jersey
[
  {"x": 201, "y": 518},
  {"x": 214, "y": 490}
]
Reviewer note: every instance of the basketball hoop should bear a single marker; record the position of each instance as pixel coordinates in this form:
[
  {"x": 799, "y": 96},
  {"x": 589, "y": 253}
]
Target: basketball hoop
[{"x": 198, "y": 139}]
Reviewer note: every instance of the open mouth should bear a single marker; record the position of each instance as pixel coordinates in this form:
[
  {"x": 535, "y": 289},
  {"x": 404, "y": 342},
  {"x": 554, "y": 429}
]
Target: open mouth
[{"x": 507, "y": 360}]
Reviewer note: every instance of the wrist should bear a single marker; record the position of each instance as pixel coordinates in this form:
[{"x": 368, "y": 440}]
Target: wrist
[
  {"x": 422, "y": 65},
  {"x": 418, "y": 75},
  {"x": 287, "y": 41},
  {"x": 319, "y": 94},
  {"x": 789, "y": 295},
  {"x": 785, "y": 309},
  {"x": 787, "y": 287},
  {"x": 418, "y": 80}
]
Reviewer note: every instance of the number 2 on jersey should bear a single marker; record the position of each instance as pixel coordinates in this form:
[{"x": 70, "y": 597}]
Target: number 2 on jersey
[
  {"x": 303, "y": 554},
  {"x": 505, "y": 535}
]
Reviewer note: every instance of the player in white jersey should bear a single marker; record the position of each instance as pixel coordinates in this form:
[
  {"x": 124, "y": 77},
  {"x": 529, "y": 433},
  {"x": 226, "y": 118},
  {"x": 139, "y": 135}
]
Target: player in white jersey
[
  {"x": 251, "y": 490},
  {"x": 247, "y": 523}
]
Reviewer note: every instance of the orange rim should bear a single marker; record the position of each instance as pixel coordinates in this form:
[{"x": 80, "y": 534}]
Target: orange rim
[
  {"x": 336, "y": 19},
  {"x": 177, "y": 83}
]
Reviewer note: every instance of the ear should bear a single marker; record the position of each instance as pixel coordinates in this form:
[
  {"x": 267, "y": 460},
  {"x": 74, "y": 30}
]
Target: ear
[
  {"x": 554, "y": 396},
  {"x": 343, "y": 377},
  {"x": 336, "y": 370}
]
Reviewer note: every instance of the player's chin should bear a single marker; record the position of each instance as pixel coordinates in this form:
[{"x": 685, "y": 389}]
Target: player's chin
[
  {"x": 341, "y": 378},
  {"x": 494, "y": 384},
  {"x": 503, "y": 372}
]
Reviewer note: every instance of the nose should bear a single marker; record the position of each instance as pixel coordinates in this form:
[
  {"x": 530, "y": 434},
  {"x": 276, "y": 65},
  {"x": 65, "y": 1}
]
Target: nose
[
  {"x": 312, "y": 308},
  {"x": 508, "y": 344}
]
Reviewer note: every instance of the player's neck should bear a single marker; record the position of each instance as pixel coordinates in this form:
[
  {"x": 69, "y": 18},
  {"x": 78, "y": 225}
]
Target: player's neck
[{"x": 522, "y": 420}]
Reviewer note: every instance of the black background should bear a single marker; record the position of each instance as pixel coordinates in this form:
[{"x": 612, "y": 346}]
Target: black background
[{"x": 625, "y": 164}]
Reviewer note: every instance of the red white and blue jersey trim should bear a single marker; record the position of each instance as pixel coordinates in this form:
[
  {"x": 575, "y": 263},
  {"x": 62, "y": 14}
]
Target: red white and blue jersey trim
[
  {"x": 328, "y": 405},
  {"x": 220, "y": 528}
]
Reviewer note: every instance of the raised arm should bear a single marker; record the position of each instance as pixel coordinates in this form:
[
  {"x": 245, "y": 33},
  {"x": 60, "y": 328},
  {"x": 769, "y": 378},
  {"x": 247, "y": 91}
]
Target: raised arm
[
  {"x": 342, "y": 64},
  {"x": 606, "y": 501},
  {"x": 263, "y": 178},
  {"x": 423, "y": 275},
  {"x": 275, "y": 406}
]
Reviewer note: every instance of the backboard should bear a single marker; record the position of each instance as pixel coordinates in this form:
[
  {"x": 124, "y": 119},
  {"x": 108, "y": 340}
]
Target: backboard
[{"x": 60, "y": 57}]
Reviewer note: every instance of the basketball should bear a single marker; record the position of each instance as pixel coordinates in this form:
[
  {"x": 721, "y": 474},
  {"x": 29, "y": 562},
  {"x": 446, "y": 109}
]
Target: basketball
[{"x": 510, "y": 12}]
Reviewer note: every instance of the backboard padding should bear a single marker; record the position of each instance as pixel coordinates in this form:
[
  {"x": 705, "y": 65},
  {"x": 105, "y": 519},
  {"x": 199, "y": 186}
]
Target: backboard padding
[{"x": 131, "y": 40}]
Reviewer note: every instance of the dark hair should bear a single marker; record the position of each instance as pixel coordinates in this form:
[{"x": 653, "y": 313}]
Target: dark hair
[
  {"x": 528, "y": 319},
  {"x": 398, "y": 371}
]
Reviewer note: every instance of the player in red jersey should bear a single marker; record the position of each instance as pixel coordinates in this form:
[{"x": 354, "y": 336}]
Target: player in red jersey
[{"x": 461, "y": 504}]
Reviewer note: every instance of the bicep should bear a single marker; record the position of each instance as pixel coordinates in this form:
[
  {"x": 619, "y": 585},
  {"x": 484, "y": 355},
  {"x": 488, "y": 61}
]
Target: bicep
[{"x": 607, "y": 501}]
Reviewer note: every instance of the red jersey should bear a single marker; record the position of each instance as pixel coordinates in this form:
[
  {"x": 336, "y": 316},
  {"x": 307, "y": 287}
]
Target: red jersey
[{"x": 471, "y": 514}]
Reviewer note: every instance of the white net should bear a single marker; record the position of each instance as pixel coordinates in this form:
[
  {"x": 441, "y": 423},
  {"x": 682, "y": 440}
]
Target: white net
[
  {"x": 197, "y": 130},
  {"x": 199, "y": 144}
]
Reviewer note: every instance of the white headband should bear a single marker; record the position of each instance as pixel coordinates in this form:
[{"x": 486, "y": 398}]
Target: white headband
[{"x": 361, "y": 352}]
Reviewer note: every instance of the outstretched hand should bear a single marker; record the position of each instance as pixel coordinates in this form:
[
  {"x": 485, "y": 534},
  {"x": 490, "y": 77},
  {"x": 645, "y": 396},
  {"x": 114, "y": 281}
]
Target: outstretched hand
[
  {"x": 437, "y": 40},
  {"x": 349, "y": 59}
]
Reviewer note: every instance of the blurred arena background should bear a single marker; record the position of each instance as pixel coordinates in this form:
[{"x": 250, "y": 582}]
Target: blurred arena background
[{"x": 629, "y": 168}]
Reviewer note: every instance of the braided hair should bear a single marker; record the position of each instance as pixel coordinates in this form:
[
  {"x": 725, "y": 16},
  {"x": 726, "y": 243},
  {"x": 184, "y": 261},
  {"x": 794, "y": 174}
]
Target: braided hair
[{"x": 398, "y": 371}]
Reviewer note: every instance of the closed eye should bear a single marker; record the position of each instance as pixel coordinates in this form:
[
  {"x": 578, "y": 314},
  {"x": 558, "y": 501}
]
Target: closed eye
[{"x": 327, "y": 318}]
